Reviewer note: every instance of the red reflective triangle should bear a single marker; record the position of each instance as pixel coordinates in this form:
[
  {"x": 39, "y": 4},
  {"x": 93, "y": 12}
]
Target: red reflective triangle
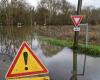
[
  {"x": 77, "y": 19},
  {"x": 11, "y": 74}
]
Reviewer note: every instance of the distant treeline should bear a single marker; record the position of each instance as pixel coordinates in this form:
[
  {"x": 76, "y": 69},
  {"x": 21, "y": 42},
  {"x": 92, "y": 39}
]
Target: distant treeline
[{"x": 48, "y": 12}]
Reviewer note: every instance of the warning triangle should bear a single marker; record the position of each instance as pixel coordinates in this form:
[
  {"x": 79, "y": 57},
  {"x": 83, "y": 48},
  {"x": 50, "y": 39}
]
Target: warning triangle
[
  {"x": 26, "y": 63},
  {"x": 77, "y": 19}
]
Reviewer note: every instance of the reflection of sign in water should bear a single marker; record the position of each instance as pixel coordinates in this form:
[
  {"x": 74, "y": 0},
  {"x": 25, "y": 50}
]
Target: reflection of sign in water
[
  {"x": 32, "y": 78},
  {"x": 76, "y": 19},
  {"x": 26, "y": 63}
]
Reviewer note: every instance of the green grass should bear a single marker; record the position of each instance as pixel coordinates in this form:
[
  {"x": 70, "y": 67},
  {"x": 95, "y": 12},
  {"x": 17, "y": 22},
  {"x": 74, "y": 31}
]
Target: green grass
[
  {"x": 91, "y": 50},
  {"x": 62, "y": 43}
]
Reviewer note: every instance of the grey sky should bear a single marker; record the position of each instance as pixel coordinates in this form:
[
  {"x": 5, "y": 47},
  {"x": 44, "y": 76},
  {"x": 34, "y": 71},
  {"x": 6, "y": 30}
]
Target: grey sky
[{"x": 95, "y": 3}]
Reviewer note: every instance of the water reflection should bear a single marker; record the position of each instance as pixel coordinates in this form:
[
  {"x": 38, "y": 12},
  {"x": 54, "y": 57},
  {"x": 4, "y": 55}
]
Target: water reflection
[{"x": 60, "y": 65}]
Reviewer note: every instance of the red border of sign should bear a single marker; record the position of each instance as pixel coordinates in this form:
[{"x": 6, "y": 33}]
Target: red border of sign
[
  {"x": 76, "y": 16},
  {"x": 9, "y": 75}
]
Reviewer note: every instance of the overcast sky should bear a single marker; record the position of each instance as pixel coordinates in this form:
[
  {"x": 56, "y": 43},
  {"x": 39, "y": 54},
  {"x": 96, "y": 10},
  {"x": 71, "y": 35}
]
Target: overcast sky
[{"x": 95, "y": 3}]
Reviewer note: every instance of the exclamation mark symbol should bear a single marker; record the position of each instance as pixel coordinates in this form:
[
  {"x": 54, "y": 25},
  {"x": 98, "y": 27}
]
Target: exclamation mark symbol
[{"x": 25, "y": 55}]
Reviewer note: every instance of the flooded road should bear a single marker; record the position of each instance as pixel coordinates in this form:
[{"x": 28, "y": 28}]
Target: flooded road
[
  {"x": 58, "y": 60},
  {"x": 60, "y": 65}
]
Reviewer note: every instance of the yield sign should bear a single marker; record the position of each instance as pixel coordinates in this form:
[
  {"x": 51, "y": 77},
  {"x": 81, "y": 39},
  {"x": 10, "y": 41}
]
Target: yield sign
[
  {"x": 77, "y": 19},
  {"x": 26, "y": 63}
]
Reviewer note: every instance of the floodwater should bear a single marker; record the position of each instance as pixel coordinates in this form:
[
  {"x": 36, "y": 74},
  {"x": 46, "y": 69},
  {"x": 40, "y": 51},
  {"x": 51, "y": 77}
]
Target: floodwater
[
  {"x": 59, "y": 61},
  {"x": 60, "y": 65}
]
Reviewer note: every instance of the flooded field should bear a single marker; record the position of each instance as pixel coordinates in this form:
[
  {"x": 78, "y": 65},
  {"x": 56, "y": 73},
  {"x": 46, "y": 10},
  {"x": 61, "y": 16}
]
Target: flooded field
[
  {"x": 59, "y": 60},
  {"x": 63, "y": 41},
  {"x": 59, "y": 64}
]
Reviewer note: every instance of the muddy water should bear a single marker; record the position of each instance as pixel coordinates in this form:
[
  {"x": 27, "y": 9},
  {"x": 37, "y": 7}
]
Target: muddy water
[{"x": 60, "y": 65}]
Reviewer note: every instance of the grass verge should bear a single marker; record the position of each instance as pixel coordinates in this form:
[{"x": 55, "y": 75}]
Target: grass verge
[{"x": 91, "y": 50}]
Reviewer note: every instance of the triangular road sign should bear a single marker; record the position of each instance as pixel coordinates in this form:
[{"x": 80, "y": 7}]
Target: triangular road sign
[
  {"x": 26, "y": 63},
  {"x": 77, "y": 19}
]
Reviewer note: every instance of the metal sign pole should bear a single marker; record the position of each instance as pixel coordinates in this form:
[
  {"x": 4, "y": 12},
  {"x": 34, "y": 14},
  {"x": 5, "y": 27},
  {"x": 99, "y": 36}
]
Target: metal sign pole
[
  {"x": 86, "y": 44},
  {"x": 75, "y": 45},
  {"x": 86, "y": 47}
]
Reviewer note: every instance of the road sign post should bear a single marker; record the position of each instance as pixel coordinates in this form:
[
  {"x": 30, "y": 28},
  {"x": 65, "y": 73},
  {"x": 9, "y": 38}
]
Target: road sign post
[
  {"x": 76, "y": 20},
  {"x": 75, "y": 45},
  {"x": 86, "y": 44}
]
